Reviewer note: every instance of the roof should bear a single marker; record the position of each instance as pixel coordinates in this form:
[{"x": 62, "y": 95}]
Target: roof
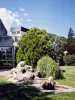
[{"x": 3, "y": 30}]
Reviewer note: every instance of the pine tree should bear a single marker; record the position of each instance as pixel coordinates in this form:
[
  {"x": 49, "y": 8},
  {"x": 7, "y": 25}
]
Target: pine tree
[
  {"x": 70, "y": 33},
  {"x": 70, "y": 46}
]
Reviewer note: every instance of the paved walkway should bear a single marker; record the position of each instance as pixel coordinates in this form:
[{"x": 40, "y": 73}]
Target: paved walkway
[{"x": 4, "y": 72}]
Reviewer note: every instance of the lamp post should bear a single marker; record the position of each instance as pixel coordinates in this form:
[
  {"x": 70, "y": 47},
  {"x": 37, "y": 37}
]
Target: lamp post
[
  {"x": 14, "y": 45},
  {"x": 65, "y": 53}
]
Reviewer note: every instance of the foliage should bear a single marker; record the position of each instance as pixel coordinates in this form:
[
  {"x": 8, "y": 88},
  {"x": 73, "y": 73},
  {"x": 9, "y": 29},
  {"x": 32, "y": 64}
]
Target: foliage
[
  {"x": 70, "y": 33},
  {"x": 59, "y": 38},
  {"x": 70, "y": 46},
  {"x": 69, "y": 60},
  {"x": 49, "y": 67},
  {"x": 34, "y": 44},
  {"x": 58, "y": 43}
]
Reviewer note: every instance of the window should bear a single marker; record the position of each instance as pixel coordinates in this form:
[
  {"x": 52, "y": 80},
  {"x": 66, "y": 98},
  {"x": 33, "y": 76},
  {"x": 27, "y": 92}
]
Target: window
[{"x": 18, "y": 31}]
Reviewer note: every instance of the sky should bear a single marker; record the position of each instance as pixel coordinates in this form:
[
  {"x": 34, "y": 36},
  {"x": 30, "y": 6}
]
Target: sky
[{"x": 55, "y": 16}]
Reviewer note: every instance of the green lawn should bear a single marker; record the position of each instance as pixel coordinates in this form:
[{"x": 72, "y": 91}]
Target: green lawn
[
  {"x": 63, "y": 96},
  {"x": 69, "y": 75},
  {"x": 9, "y": 91},
  {"x": 3, "y": 80}
]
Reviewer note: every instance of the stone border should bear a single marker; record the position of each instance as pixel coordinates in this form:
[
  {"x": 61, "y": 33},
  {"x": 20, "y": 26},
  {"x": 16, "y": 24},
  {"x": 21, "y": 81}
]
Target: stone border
[{"x": 63, "y": 89}]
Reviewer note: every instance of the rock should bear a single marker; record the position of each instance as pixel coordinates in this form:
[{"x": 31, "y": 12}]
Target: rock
[
  {"x": 29, "y": 75},
  {"x": 37, "y": 80},
  {"x": 38, "y": 74},
  {"x": 23, "y": 70},
  {"x": 21, "y": 64},
  {"x": 49, "y": 84},
  {"x": 10, "y": 76},
  {"x": 20, "y": 76},
  {"x": 25, "y": 76},
  {"x": 18, "y": 70},
  {"x": 50, "y": 79},
  {"x": 14, "y": 75},
  {"x": 12, "y": 70},
  {"x": 27, "y": 67},
  {"x": 31, "y": 70},
  {"x": 32, "y": 77}
]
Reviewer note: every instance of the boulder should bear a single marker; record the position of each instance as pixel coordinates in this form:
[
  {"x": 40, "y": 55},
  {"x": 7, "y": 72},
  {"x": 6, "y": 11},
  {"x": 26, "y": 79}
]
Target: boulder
[
  {"x": 27, "y": 67},
  {"x": 23, "y": 70},
  {"x": 31, "y": 70},
  {"x": 21, "y": 64},
  {"x": 18, "y": 70},
  {"x": 26, "y": 76},
  {"x": 37, "y": 74},
  {"x": 49, "y": 84},
  {"x": 14, "y": 75},
  {"x": 50, "y": 79},
  {"x": 12, "y": 70},
  {"x": 29, "y": 75},
  {"x": 20, "y": 76}
]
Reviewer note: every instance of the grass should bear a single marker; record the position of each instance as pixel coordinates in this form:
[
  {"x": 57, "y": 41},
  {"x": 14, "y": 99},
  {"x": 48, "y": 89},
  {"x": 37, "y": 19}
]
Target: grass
[
  {"x": 9, "y": 91},
  {"x": 3, "y": 80},
  {"x": 63, "y": 96},
  {"x": 69, "y": 75}
]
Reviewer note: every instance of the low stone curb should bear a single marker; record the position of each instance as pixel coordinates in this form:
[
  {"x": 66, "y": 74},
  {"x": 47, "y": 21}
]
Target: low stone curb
[{"x": 65, "y": 89}]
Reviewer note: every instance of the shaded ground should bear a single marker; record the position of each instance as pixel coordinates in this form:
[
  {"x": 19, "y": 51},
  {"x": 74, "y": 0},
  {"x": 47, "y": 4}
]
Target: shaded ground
[
  {"x": 12, "y": 92},
  {"x": 9, "y": 91}
]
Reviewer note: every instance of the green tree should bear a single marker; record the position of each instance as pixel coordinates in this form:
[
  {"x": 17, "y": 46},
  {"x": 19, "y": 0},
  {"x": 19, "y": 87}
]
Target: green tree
[
  {"x": 70, "y": 46},
  {"x": 70, "y": 33},
  {"x": 34, "y": 44}
]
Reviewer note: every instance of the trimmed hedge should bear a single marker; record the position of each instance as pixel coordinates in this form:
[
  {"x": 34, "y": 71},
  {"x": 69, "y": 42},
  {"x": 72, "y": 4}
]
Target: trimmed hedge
[
  {"x": 69, "y": 60},
  {"x": 49, "y": 67}
]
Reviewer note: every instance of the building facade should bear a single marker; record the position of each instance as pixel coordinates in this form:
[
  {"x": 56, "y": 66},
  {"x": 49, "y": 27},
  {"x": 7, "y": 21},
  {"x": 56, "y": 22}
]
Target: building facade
[
  {"x": 17, "y": 32},
  {"x": 7, "y": 55}
]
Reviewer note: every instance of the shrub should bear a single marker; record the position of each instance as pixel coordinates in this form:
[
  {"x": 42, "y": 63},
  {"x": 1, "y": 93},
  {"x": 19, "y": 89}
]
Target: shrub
[
  {"x": 34, "y": 44},
  {"x": 69, "y": 60},
  {"x": 49, "y": 67}
]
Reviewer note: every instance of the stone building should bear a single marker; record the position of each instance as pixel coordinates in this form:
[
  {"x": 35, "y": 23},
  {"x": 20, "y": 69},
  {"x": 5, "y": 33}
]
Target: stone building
[{"x": 7, "y": 55}]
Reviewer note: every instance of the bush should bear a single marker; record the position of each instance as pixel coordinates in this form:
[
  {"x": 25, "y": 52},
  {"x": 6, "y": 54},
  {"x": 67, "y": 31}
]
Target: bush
[
  {"x": 34, "y": 44},
  {"x": 49, "y": 67},
  {"x": 69, "y": 60}
]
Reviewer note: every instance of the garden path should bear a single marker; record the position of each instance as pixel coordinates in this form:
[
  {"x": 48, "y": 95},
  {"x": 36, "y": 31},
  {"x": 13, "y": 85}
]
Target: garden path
[{"x": 4, "y": 72}]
